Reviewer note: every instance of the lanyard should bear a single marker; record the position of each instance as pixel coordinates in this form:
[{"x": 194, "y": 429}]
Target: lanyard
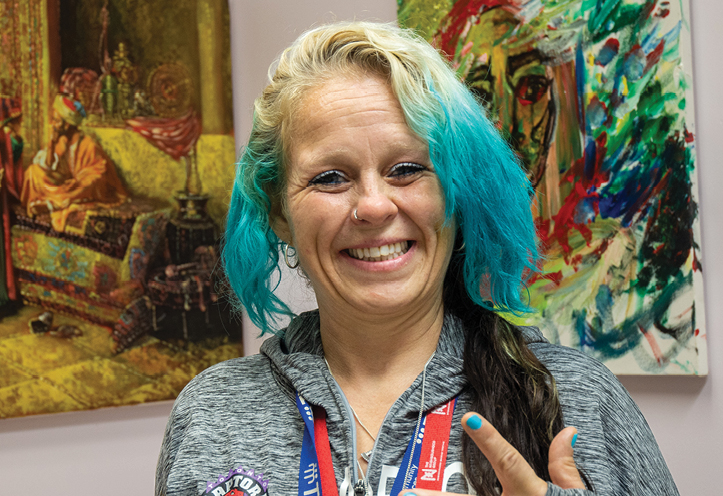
[{"x": 422, "y": 466}]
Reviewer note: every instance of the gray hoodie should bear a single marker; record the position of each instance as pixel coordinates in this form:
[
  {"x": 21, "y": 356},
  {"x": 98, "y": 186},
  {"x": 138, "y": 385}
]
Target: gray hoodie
[{"x": 235, "y": 429}]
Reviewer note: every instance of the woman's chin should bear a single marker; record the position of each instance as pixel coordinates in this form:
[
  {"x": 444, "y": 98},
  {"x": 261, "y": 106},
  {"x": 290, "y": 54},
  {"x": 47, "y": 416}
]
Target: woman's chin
[
  {"x": 390, "y": 298},
  {"x": 383, "y": 306}
]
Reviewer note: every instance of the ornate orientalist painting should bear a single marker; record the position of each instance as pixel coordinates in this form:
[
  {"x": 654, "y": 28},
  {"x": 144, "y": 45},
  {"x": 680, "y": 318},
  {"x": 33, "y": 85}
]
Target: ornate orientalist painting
[
  {"x": 116, "y": 156},
  {"x": 595, "y": 96}
]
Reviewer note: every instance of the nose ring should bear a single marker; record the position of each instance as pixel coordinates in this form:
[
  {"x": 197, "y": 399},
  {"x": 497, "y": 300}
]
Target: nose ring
[{"x": 355, "y": 215}]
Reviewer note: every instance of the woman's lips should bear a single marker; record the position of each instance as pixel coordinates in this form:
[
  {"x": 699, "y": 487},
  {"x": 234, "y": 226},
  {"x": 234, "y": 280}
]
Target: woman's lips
[{"x": 380, "y": 253}]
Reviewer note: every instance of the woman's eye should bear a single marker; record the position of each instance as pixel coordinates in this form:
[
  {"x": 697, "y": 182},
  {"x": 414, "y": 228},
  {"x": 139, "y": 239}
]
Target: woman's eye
[
  {"x": 406, "y": 169},
  {"x": 328, "y": 178}
]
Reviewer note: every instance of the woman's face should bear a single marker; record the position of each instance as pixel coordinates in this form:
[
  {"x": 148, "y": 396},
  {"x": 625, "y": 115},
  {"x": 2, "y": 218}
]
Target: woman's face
[{"x": 350, "y": 149}]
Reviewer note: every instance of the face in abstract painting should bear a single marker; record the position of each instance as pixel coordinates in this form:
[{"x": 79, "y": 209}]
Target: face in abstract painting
[
  {"x": 514, "y": 84},
  {"x": 595, "y": 98}
]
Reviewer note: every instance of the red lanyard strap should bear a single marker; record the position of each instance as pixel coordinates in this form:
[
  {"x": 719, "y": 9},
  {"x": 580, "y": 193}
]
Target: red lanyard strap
[
  {"x": 323, "y": 453},
  {"x": 434, "y": 447}
]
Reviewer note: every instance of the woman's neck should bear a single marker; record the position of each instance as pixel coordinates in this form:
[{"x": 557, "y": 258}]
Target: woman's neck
[
  {"x": 375, "y": 360},
  {"x": 386, "y": 352}
]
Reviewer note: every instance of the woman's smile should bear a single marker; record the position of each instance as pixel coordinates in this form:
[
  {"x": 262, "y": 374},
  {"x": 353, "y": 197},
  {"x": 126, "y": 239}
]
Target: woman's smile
[
  {"x": 380, "y": 253},
  {"x": 380, "y": 258}
]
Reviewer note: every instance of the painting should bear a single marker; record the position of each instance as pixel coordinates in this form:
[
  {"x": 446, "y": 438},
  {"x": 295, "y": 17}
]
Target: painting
[
  {"x": 116, "y": 156},
  {"x": 595, "y": 96}
]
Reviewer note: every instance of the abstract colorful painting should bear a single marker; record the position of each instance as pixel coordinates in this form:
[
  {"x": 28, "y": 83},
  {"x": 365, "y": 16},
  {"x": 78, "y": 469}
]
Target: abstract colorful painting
[
  {"x": 595, "y": 96},
  {"x": 116, "y": 152}
]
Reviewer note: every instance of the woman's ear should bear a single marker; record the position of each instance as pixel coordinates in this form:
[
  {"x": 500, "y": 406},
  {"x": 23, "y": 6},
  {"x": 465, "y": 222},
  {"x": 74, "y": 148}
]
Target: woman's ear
[{"x": 280, "y": 225}]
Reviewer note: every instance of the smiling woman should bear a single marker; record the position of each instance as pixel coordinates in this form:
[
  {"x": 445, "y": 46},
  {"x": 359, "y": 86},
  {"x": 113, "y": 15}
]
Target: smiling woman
[{"x": 410, "y": 217}]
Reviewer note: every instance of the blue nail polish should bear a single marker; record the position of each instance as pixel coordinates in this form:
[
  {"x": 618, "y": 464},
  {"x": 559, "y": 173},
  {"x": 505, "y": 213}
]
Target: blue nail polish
[
  {"x": 574, "y": 440},
  {"x": 409, "y": 494},
  {"x": 474, "y": 422}
]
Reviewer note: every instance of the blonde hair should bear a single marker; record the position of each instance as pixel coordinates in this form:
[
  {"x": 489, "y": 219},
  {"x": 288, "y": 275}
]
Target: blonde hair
[{"x": 349, "y": 49}]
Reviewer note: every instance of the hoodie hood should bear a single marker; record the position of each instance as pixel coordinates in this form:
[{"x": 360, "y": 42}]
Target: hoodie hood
[
  {"x": 297, "y": 356},
  {"x": 532, "y": 335}
]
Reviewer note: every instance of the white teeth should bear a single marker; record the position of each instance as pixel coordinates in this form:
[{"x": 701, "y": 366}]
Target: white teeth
[{"x": 379, "y": 253}]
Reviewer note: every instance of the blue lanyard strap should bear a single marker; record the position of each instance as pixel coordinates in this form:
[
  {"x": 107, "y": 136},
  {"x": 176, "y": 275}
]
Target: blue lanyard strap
[
  {"x": 407, "y": 475},
  {"x": 309, "y": 465}
]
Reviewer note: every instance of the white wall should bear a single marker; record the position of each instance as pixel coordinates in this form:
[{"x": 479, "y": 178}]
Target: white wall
[{"x": 114, "y": 451}]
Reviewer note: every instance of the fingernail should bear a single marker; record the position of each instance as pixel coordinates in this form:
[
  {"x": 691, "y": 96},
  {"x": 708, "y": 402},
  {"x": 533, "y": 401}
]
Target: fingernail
[
  {"x": 574, "y": 440},
  {"x": 474, "y": 422},
  {"x": 409, "y": 494}
]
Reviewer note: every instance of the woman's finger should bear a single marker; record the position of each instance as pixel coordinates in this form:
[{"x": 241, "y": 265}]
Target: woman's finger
[
  {"x": 561, "y": 465},
  {"x": 513, "y": 471}
]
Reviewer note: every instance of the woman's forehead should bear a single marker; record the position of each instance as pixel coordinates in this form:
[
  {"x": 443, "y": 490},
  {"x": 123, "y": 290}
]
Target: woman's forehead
[
  {"x": 339, "y": 97},
  {"x": 336, "y": 116}
]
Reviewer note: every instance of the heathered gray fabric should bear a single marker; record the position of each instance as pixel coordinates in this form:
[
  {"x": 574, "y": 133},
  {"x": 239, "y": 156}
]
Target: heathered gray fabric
[{"x": 242, "y": 412}]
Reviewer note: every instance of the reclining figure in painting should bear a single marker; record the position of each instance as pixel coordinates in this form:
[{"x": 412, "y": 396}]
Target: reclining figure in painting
[{"x": 72, "y": 173}]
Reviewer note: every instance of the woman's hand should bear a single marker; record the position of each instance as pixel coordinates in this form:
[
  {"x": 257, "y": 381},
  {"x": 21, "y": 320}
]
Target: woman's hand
[{"x": 513, "y": 471}]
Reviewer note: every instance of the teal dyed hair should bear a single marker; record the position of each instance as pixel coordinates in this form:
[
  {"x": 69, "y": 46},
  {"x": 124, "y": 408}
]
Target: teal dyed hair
[{"x": 486, "y": 190}]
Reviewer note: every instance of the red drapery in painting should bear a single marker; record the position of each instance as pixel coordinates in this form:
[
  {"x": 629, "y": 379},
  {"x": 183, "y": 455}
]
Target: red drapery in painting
[{"x": 175, "y": 137}]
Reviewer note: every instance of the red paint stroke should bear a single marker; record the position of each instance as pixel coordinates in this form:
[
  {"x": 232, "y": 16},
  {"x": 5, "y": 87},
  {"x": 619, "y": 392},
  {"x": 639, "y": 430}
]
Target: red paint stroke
[
  {"x": 643, "y": 199},
  {"x": 542, "y": 226},
  {"x": 654, "y": 56},
  {"x": 554, "y": 277},
  {"x": 539, "y": 274},
  {"x": 697, "y": 267},
  {"x": 657, "y": 353},
  {"x": 689, "y": 137},
  {"x": 452, "y": 25},
  {"x": 584, "y": 188},
  {"x": 697, "y": 331},
  {"x": 602, "y": 248},
  {"x": 647, "y": 10},
  {"x": 575, "y": 261},
  {"x": 663, "y": 13}
]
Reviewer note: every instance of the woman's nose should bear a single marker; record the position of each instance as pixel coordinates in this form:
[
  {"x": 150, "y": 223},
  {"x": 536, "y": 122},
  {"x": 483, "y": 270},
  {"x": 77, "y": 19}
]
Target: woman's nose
[{"x": 374, "y": 205}]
